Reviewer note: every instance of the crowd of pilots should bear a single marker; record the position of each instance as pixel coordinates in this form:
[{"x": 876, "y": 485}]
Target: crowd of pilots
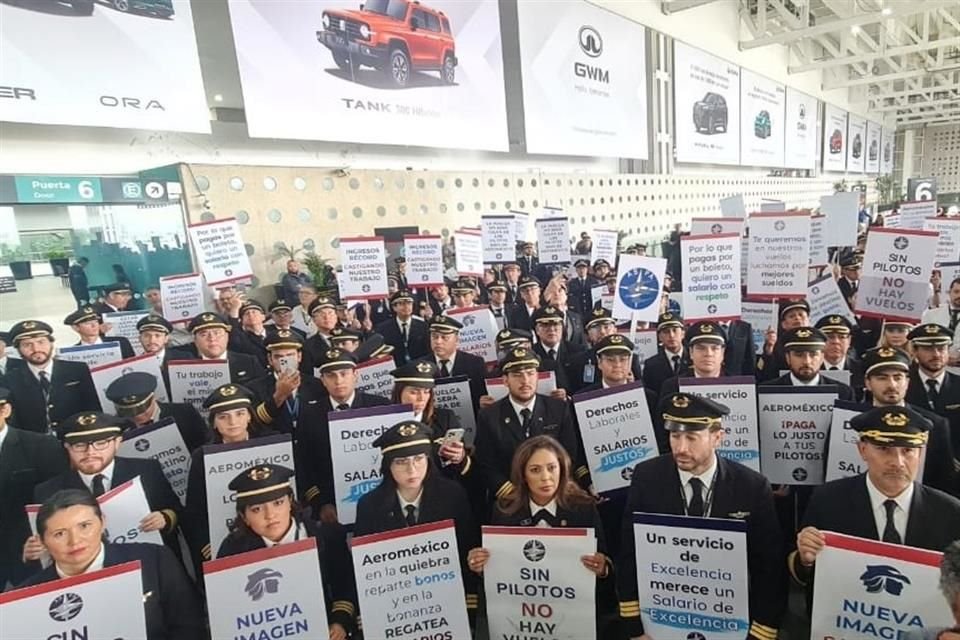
[{"x": 293, "y": 363}]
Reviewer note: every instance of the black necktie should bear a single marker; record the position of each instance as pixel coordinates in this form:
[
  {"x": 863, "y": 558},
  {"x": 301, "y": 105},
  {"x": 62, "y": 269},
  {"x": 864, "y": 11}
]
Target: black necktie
[
  {"x": 890, "y": 533},
  {"x": 444, "y": 371},
  {"x": 954, "y": 319},
  {"x": 411, "y": 516},
  {"x": 403, "y": 333},
  {"x": 544, "y": 516},
  {"x": 933, "y": 394},
  {"x": 98, "y": 488},
  {"x": 342, "y": 407},
  {"x": 676, "y": 364},
  {"x": 525, "y": 415},
  {"x": 498, "y": 313},
  {"x": 552, "y": 354},
  {"x": 696, "y": 502},
  {"x": 45, "y": 386}
]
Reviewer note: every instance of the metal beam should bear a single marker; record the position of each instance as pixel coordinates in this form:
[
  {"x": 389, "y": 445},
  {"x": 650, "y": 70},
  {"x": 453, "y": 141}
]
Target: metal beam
[
  {"x": 899, "y": 9},
  {"x": 867, "y": 57},
  {"x": 928, "y": 123},
  {"x": 909, "y": 105},
  {"x": 673, "y": 6},
  {"x": 916, "y": 91},
  {"x": 885, "y": 77}
]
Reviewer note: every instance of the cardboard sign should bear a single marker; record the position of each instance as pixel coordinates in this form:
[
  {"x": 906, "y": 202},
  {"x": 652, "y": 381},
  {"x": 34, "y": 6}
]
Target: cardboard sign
[
  {"x": 913, "y": 215},
  {"x": 422, "y": 588},
  {"x": 546, "y": 384},
  {"x": 183, "y": 297},
  {"x": 948, "y": 242},
  {"x": 546, "y": 563},
  {"x": 163, "y": 442},
  {"x": 424, "y": 255},
  {"x": 891, "y": 220},
  {"x": 818, "y": 241},
  {"x": 711, "y": 277},
  {"x": 733, "y": 207},
  {"x": 602, "y": 294},
  {"x": 605, "y": 246},
  {"x": 218, "y": 247},
  {"x": 715, "y": 551},
  {"x": 870, "y": 589},
  {"x": 842, "y": 211},
  {"x": 521, "y": 224},
  {"x": 772, "y": 206},
  {"x": 469, "y": 252},
  {"x": 192, "y": 381},
  {"x": 479, "y": 333},
  {"x": 779, "y": 253},
  {"x": 454, "y": 394},
  {"x": 639, "y": 287},
  {"x": 261, "y": 593},
  {"x": 825, "y": 299},
  {"x": 895, "y": 281},
  {"x": 364, "y": 275},
  {"x": 716, "y": 226},
  {"x": 843, "y": 457},
  {"x": 760, "y": 315},
  {"x": 499, "y": 238},
  {"x": 92, "y": 355},
  {"x": 553, "y": 240},
  {"x": 794, "y": 422},
  {"x": 645, "y": 343},
  {"x": 617, "y": 433},
  {"x": 100, "y": 604},
  {"x": 356, "y": 462},
  {"x": 107, "y": 373},
  {"x": 373, "y": 376},
  {"x": 123, "y": 508},
  {"x": 124, "y": 324},
  {"x": 222, "y": 463},
  {"x": 741, "y": 440}
]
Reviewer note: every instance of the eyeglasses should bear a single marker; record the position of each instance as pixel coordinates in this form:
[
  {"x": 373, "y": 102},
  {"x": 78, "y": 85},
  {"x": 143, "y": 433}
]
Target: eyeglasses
[
  {"x": 97, "y": 445},
  {"x": 413, "y": 461}
]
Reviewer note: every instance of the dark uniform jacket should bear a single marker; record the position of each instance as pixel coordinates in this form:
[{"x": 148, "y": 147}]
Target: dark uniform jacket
[
  {"x": 500, "y": 432},
  {"x": 336, "y": 565},
  {"x": 947, "y": 404},
  {"x": 193, "y": 429},
  {"x": 573, "y": 332},
  {"x": 505, "y": 314},
  {"x": 71, "y": 391},
  {"x": 440, "y": 422},
  {"x": 659, "y": 368},
  {"x": 26, "y": 460},
  {"x": 243, "y": 341},
  {"x": 244, "y": 368},
  {"x": 313, "y": 353},
  {"x": 519, "y": 318},
  {"x": 939, "y": 469},
  {"x": 565, "y": 352},
  {"x": 580, "y": 294},
  {"x": 740, "y": 358},
  {"x": 171, "y": 603},
  {"x": 467, "y": 364},
  {"x": 738, "y": 493},
  {"x": 126, "y": 349},
  {"x": 855, "y": 367},
  {"x": 844, "y": 392},
  {"x": 418, "y": 340},
  {"x": 582, "y": 370}
]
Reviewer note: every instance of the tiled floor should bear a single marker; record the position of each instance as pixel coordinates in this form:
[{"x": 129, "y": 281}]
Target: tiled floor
[{"x": 41, "y": 298}]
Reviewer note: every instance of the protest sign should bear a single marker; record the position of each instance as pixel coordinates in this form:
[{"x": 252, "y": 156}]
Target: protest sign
[
  {"x": 553, "y": 240},
  {"x": 124, "y": 324},
  {"x": 92, "y": 355},
  {"x": 891, "y": 220},
  {"x": 101, "y": 604},
  {"x": 760, "y": 315},
  {"x": 479, "y": 333},
  {"x": 778, "y": 255},
  {"x": 716, "y": 226},
  {"x": 711, "y": 277},
  {"x": 218, "y": 247},
  {"x": 182, "y": 297},
  {"x": 32, "y": 509},
  {"x": 499, "y": 238},
  {"x": 949, "y": 271},
  {"x": 772, "y": 206},
  {"x": 605, "y": 246},
  {"x": 895, "y": 282},
  {"x": 710, "y": 555},
  {"x": 424, "y": 256},
  {"x": 276, "y": 592},
  {"x": 741, "y": 440},
  {"x": 523, "y": 561},
  {"x": 410, "y": 584},
  {"x": 645, "y": 343},
  {"x": 103, "y": 375},
  {"x": 123, "y": 507},
  {"x": 546, "y": 384},
  {"x": 521, "y": 223},
  {"x": 454, "y": 394},
  {"x": 602, "y": 295},
  {"x": 825, "y": 299},
  {"x": 914, "y": 214},
  {"x": 191, "y": 381},
  {"x": 843, "y": 457},
  {"x": 639, "y": 287},
  {"x": 870, "y": 589},
  {"x": 948, "y": 242},
  {"x": 356, "y": 462},
  {"x": 617, "y": 433},
  {"x": 794, "y": 422},
  {"x": 222, "y": 463},
  {"x": 733, "y": 207},
  {"x": 163, "y": 442},
  {"x": 469, "y": 252},
  {"x": 818, "y": 241},
  {"x": 373, "y": 376},
  {"x": 364, "y": 275},
  {"x": 842, "y": 211}
]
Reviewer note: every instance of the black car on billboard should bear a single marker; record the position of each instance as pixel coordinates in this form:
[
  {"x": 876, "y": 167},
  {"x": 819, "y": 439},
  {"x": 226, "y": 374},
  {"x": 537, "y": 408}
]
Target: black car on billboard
[
  {"x": 710, "y": 114},
  {"x": 836, "y": 141},
  {"x": 857, "y": 146},
  {"x": 873, "y": 151},
  {"x": 159, "y": 8}
]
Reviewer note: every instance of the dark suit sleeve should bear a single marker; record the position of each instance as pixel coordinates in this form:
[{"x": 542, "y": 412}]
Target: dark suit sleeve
[
  {"x": 87, "y": 392},
  {"x": 939, "y": 471},
  {"x": 191, "y": 425},
  {"x": 340, "y": 577},
  {"x": 160, "y": 495},
  {"x": 486, "y": 450},
  {"x": 570, "y": 439},
  {"x": 748, "y": 365},
  {"x": 626, "y": 575},
  {"x": 182, "y": 612},
  {"x": 765, "y": 553},
  {"x": 194, "y": 524}
]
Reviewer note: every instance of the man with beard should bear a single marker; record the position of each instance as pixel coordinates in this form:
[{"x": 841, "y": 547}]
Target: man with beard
[
  {"x": 931, "y": 385},
  {"x": 792, "y": 314},
  {"x": 803, "y": 351},
  {"x": 837, "y": 357}
]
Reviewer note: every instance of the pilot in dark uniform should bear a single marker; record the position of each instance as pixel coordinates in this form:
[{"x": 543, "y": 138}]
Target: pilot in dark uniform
[
  {"x": 87, "y": 323},
  {"x": 931, "y": 385},
  {"x": 134, "y": 397},
  {"x": 580, "y": 289},
  {"x": 281, "y": 313},
  {"x": 671, "y": 357},
  {"x": 211, "y": 333},
  {"x": 791, "y": 314},
  {"x": 837, "y": 355},
  {"x": 803, "y": 353}
]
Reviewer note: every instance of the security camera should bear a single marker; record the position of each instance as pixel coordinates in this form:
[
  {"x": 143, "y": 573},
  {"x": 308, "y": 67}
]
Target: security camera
[{"x": 343, "y": 172}]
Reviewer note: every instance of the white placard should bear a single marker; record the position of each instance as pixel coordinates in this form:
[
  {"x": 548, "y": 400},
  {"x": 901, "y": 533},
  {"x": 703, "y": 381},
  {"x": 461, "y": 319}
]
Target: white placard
[
  {"x": 617, "y": 433},
  {"x": 222, "y": 463},
  {"x": 843, "y": 456},
  {"x": 876, "y": 589},
  {"x": 794, "y": 422},
  {"x": 772, "y": 206},
  {"x": 191, "y": 381},
  {"x": 479, "y": 333},
  {"x": 779, "y": 252},
  {"x": 521, "y": 222},
  {"x": 741, "y": 440},
  {"x": 524, "y": 560},
  {"x": 894, "y": 283},
  {"x": 123, "y": 507},
  {"x": 842, "y": 212},
  {"x": 948, "y": 242},
  {"x": 761, "y": 316},
  {"x": 716, "y": 226},
  {"x": 267, "y": 592},
  {"x": 856, "y": 143},
  {"x": 800, "y": 136},
  {"x": 668, "y": 546},
  {"x": 825, "y": 299},
  {"x": 469, "y": 252},
  {"x": 913, "y": 215},
  {"x": 706, "y": 107},
  {"x": 553, "y": 240},
  {"x": 546, "y": 384},
  {"x": 454, "y": 394},
  {"x": 762, "y": 114},
  {"x": 105, "y": 374},
  {"x": 602, "y": 294},
  {"x": 645, "y": 342},
  {"x": 499, "y": 238},
  {"x": 888, "y": 146},
  {"x": 424, "y": 255},
  {"x": 872, "y": 148},
  {"x": 733, "y": 207},
  {"x": 711, "y": 277},
  {"x": 101, "y": 604},
  {"x": 819, "y": 256},
  {"x": 163, "y": 442},
  {"x": 364, "y": 275},
  {"x": 356, "y": 462},
  {"x": 183, "y": 297},
  {"x": 92, "y": 355},
  {"x": 639, "y": 287},
  {"x": 124, "y": 324},
  {"x": 605, "y": 246},
  {"x": 834, "y": 138},
  {"x": 373, "y": 376},
  {"x": 218, "y": 248}
]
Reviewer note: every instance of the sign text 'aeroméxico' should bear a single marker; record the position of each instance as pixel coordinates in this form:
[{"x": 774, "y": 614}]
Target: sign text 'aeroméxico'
[
  {"x": 895, "y": 281},
  {"x": 794, "y": 422},
  {"x": 741, "y": 441}
]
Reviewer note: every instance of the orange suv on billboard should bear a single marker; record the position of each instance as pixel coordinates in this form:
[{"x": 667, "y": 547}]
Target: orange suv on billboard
[{"x": 395, "y": 37}]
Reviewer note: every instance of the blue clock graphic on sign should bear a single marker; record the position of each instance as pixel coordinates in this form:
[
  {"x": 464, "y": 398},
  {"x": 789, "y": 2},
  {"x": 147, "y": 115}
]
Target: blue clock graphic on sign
[{"x": 639, "y": 288}]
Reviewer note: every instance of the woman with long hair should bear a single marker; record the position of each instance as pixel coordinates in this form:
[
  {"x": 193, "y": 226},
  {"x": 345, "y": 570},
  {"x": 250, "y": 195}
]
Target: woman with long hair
[
  {"x": 268, "y": 516},
  {"x": 894, "y": 336}
]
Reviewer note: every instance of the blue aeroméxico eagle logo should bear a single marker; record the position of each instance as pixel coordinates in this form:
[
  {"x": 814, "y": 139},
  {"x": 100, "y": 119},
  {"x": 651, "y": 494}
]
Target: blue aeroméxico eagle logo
[
  {"x": 262, "y": 581},
  {"x": 880, "y": 577}
]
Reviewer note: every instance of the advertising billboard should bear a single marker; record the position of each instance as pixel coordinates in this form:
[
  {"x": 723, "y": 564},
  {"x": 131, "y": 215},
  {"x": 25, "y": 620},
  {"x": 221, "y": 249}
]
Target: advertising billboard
[
  {"x": 762, "y": 112},
  {"x": 834, "y": 139},
  {"x": 706, "y": 107},
  {"x": 800, "y": 131}
]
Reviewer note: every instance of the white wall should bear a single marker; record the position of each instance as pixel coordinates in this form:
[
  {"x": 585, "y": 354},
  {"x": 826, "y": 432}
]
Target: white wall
[{"x": 42, "y": 217}]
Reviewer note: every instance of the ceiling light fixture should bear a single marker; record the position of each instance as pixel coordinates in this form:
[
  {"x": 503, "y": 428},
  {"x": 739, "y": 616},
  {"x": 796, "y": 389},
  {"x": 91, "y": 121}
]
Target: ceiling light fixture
[
  {"x": 886, "y": 11},
  {"x": 854, "y": 29},
  {"x": 218, "y": 97}
]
